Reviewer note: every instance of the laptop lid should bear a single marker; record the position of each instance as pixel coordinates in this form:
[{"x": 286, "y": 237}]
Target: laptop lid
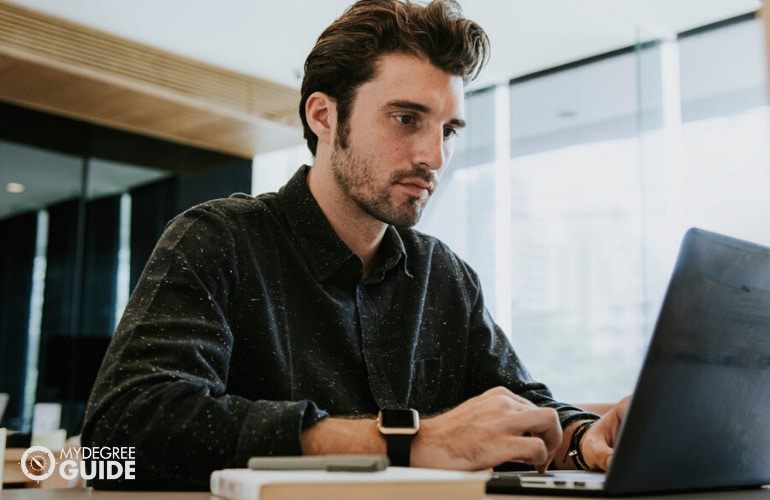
[
  {"x": 699, "y": 417},
  {"x": 700, "y": 414}
]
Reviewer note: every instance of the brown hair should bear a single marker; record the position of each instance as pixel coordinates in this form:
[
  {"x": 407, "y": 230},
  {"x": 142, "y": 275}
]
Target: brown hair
[{"x": 346, "y": 53}]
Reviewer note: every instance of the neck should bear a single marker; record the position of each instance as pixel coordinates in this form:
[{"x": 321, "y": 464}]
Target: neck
[{"x": 359, "y": 230}]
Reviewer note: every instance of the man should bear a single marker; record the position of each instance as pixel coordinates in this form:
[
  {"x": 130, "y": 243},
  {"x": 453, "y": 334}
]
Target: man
[{"x": 282, "y": 324}]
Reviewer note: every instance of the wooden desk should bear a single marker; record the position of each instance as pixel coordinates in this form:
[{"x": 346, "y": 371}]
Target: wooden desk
[{"x": 88, "y": 493}]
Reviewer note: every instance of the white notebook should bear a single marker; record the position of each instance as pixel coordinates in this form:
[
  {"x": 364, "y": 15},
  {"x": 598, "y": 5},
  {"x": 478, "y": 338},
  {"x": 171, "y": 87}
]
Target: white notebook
[{"x": 404, "y": 483}]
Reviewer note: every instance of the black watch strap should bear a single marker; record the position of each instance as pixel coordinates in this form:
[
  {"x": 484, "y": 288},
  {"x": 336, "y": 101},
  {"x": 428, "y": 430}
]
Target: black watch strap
[{"x": 399, "y": 448}]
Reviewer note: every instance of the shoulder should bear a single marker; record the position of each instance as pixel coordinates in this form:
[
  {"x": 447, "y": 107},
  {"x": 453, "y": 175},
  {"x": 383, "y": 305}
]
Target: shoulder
[
  {"x": 238, "y": 210},
  {"x": 236, "y": 204},
  {"x": 232, "y": 221}
]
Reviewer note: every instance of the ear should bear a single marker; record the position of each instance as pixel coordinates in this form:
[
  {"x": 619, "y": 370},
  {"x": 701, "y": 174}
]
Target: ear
[{"x": 321, "y": 115}]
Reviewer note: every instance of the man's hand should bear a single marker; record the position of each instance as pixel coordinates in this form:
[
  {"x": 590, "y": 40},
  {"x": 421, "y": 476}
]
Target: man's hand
[
  {"x": 495, "y": 427},
  {"x": 598, "y": 442}
]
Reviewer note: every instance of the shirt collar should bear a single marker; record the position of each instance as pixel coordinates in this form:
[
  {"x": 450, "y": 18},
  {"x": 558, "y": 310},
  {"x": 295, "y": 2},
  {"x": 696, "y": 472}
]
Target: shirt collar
[{"x": 325, "y": 251}]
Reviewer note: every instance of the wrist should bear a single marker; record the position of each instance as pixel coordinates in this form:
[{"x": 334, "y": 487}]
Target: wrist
[
  {"x": 575, "y": 450},
  {"x": 426, "y": 447},
  {"x": 342, "y": 436},
  {"x": 399, "y": 428}
]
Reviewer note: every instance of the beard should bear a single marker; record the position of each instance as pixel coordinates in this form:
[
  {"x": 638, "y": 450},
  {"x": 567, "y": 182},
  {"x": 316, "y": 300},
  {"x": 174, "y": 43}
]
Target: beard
[{"x": 356, "y": 176}]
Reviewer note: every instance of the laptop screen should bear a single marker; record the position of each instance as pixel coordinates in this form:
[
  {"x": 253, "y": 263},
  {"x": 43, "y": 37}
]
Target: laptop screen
[{"x": 699, "y": 414}]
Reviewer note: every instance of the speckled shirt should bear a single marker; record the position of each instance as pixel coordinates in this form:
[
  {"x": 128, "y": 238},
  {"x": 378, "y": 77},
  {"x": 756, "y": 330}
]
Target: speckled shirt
[{"x": 251, "y": 322}]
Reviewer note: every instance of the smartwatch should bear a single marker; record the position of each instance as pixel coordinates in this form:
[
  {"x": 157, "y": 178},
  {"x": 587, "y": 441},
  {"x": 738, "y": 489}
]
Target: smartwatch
[{"x": 398, "y": 427}]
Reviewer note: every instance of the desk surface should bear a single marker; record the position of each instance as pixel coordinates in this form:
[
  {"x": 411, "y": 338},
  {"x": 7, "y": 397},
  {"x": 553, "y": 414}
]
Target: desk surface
[{"x": 88, "y": 493}]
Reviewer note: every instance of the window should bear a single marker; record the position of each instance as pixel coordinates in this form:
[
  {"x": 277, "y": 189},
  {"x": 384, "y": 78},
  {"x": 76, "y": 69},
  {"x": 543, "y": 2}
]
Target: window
[
  {"x": 574, "y": 230},
  {"x": 732, "y": 78}
]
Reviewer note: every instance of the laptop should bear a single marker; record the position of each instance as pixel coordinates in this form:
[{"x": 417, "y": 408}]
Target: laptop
[{"x": 699, "y": 417}]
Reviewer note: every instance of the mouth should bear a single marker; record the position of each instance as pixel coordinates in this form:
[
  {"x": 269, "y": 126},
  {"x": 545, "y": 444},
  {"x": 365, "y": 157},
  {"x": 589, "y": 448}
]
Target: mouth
[{"x": 416, "y": 188}]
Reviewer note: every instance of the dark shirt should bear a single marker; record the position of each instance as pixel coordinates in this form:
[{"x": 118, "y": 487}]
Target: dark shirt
[{"x": 251, "y": 322}]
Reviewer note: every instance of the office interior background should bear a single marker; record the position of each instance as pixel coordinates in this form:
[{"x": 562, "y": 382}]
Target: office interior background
[{"x": 599, "y": 133}]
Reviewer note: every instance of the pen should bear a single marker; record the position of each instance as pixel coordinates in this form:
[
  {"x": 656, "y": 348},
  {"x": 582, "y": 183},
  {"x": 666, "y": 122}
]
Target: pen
[{"x": 339, "y": 463}]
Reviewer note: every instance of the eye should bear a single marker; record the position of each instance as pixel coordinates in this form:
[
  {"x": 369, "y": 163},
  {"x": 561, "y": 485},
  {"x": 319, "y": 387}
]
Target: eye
[
  {"x": 450, "y": 132},
  {"x": 406, "y": 119}
]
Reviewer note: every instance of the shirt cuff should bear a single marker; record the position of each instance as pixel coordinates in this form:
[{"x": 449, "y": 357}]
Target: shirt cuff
[
  {"x": 569, "y": 417},
  {"x": 273, "y": 428}
]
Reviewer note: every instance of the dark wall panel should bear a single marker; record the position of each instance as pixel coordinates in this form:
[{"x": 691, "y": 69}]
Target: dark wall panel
[{"x": 17, "y": 252}]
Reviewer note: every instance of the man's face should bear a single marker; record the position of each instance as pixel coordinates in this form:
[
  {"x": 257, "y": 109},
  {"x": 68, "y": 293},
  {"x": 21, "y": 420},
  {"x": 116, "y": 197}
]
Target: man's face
[{"x": 398, "y": 138}]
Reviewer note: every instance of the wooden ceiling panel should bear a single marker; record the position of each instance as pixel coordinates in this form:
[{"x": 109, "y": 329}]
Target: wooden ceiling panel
[{"x": 63, "y": 68}]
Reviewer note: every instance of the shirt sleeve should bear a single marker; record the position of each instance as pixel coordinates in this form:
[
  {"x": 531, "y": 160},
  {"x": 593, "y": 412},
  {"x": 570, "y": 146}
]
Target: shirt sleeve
[
  {"x": 494, "y": 362},
  {"x": 162, "y": 385}
]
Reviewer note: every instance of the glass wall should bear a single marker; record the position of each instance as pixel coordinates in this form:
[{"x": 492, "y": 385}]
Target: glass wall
[
  {"x": 81, "y": 208},
  {"x": 575, "y": 223}
]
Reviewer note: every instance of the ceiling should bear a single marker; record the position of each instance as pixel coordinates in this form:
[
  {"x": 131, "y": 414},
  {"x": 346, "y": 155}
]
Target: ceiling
[{"x": 270, "y": 39}]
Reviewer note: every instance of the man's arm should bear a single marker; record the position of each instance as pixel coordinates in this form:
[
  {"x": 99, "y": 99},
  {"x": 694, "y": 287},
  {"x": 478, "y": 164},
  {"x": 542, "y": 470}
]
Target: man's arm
[
  {"x": 163, "y": 385},
  {"x": 494, "y": 427},
  {"x": 340, "y": 436}
]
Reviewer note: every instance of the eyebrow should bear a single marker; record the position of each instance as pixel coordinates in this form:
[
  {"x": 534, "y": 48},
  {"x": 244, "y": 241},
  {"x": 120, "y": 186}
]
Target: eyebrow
[{"x": 421, "y": 108}]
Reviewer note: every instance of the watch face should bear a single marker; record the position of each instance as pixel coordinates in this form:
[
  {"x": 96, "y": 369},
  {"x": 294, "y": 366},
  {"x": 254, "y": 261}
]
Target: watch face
[{"x": 401, "y": 419}]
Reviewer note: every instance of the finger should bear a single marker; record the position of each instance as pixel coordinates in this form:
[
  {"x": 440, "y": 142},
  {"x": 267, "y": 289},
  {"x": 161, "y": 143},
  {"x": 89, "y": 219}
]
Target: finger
[
  {"x": 598, "y": 457},
  {"x": 597, "y": 453},
  {"x": 542, "y": 423},
  {"x": 527, "y": 450},
  {"x": 541, "y": 435}
]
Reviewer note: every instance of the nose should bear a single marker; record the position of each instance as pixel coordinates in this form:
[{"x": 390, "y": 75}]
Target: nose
[{"x": 432, "y": 150}]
